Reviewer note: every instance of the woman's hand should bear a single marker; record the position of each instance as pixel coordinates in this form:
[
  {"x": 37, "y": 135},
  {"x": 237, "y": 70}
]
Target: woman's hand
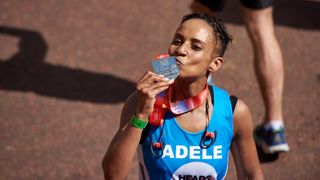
[
  {"x": 122, "y": 149},
  {"x": 147, "y": 88}
]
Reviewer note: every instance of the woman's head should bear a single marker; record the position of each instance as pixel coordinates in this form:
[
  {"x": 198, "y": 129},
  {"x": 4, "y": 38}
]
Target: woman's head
[
  {"x": 198, "y": 45},
  {"x": 221, "y": 34}
]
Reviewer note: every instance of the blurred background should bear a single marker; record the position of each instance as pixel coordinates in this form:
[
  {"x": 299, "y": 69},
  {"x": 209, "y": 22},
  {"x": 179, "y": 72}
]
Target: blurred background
[{"x": 66, "y": 68}]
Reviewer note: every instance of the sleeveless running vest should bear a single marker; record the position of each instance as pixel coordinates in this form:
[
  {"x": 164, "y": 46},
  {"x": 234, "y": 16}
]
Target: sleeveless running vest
[{"x": 182, "y": 157}]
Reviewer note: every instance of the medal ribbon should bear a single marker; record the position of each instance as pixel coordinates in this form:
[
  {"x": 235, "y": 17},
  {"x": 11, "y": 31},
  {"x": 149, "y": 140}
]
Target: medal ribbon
[
  {"x": 183, "y": 106},
  {"x": 162, "y": 104}
]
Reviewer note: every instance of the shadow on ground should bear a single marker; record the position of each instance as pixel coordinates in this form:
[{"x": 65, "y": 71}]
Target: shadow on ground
[
  {"x": 265, "y": 158},
  {"x": 27, "y": 71},
  {"x": 292, "y": 13}
]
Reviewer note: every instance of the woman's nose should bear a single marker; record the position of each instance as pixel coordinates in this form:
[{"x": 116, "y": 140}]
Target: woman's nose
[{"x": 182, "y": 50}]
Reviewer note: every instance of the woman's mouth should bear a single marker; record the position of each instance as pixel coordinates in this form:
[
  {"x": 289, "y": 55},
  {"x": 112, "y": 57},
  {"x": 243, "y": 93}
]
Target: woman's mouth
[{"x": 178, "y": 62}]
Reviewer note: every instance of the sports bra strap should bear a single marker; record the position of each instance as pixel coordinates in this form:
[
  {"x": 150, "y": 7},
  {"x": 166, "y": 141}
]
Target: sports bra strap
[{"x": 234, "y": 100}]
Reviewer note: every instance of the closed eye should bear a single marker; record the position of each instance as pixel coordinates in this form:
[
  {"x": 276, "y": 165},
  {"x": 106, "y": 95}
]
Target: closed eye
[
  {"x": 176, "y": 42},
  {"x": 196, "y": 47}
]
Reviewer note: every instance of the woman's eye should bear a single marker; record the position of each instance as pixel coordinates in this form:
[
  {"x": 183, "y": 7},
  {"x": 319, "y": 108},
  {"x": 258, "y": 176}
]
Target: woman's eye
[
  {"x": 176, "y": 42},
  {"x": 196, "y": 47}
]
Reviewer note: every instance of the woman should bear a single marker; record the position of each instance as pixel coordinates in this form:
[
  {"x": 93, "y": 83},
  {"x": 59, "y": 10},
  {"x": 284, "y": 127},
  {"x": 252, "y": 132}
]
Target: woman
[{"x": 194, "y": 143}]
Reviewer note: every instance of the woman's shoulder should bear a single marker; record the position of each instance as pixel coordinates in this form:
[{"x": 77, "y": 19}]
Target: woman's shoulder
[{"x": 242, "y": 117}]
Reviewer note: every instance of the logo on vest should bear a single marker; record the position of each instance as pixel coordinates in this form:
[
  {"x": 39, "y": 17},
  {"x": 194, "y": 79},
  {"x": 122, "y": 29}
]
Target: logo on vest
[{"x": 195, "y": 171}]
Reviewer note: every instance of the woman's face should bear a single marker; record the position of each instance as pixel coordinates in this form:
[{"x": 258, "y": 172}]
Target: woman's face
[{"x": 193, "y": 45}]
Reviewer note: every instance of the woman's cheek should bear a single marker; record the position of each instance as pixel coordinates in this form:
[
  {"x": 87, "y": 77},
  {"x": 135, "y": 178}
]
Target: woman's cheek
[{"x": 171, "y": 50}]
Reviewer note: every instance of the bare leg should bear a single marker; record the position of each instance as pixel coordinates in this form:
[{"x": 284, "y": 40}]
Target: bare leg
[{"x": 267, "y": 59}]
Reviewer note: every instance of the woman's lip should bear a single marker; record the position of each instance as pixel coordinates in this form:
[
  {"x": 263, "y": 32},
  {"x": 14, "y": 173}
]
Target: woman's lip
[{"x": 178, "y": 61}]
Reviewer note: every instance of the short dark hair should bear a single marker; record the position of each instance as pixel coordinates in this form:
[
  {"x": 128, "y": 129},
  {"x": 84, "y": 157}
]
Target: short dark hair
[{"x": 223, "y": 38}]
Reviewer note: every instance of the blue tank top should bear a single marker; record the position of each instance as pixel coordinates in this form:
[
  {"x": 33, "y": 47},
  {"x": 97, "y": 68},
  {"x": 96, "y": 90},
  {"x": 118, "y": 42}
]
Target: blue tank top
[{"x": 182, "y": 157}]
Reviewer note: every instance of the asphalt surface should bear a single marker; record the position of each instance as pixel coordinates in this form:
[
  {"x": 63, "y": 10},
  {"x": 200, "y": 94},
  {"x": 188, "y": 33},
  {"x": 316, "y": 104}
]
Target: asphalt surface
[{"x": 66, "y": 67}]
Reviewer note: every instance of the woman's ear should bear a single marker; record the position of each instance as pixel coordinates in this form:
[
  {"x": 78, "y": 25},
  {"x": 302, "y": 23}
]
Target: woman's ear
[{"x": 215, "y": 64}]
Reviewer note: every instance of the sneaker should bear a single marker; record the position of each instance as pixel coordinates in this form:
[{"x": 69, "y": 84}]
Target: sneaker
[{"x": 271, "y": 141}]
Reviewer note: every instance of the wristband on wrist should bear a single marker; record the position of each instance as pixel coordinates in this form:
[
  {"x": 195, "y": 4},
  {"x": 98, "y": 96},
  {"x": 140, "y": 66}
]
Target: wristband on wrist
[{"x": 137, "y": 123}]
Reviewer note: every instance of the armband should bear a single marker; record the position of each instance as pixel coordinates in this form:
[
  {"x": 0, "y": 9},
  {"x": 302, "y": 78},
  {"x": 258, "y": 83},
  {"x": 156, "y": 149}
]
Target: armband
[{"x": 137, "y": 123}]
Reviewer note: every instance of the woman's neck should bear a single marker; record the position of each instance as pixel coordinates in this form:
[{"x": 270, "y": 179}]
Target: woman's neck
[{"x": 187, "y": 89}]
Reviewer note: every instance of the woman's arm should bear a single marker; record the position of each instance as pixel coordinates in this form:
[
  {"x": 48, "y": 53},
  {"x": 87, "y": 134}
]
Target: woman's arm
[
  {"x": 243, "y": 147},
  {"x": 119, "y": 157},
  {"x": 120, "y": 154}
]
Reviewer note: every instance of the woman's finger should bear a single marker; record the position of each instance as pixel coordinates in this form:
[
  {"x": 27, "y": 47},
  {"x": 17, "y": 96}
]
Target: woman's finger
[
  {"x": 152, "y": 90},
  {"x": 147, "y": 75},
  {"x": 150, "y": 81}
]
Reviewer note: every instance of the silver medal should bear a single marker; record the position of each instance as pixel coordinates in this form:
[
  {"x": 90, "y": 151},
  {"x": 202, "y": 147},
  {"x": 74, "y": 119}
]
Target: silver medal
[{"x": 167, "y": 67}]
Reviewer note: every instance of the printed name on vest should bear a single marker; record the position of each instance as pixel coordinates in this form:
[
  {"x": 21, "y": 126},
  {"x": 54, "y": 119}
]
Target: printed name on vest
[{"x": 191, "y": 152}]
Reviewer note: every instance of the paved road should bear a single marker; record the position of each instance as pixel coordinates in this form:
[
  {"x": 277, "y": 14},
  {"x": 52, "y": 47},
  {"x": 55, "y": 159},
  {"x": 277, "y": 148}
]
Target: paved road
[{"x": 66, "y": 68}]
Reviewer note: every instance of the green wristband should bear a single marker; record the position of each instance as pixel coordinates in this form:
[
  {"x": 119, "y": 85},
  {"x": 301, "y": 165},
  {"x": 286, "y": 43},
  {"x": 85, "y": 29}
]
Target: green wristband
[{"x": 138, "y": 123}]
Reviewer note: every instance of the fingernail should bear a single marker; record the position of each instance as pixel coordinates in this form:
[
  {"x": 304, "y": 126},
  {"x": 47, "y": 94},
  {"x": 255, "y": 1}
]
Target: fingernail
[
  {"x": 171, "y": 81},
  {"x": 166, "y": 79}
]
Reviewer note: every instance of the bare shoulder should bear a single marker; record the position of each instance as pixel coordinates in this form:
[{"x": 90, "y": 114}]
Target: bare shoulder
[
  {"x": 128, "y": 109},
  {"x": 242, "y": 119},
  {"x": 243, "y": 146}
]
